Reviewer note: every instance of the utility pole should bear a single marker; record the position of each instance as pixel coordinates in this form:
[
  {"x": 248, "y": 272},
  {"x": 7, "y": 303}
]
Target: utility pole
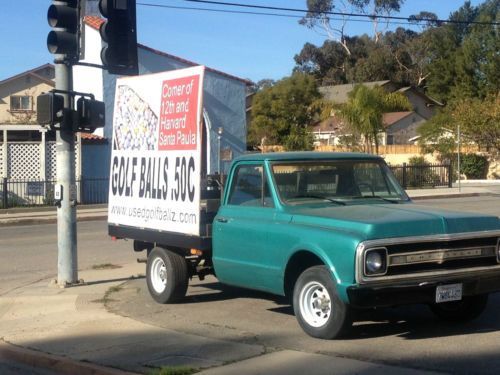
[
  {"x": 458, "y": 161},
  {"x": 67, "y": 263}
]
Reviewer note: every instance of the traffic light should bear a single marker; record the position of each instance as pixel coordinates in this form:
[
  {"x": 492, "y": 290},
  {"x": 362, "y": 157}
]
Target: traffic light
[
  {"x": 49, "y": 108},
  {"x": 120, "y": 33},
  {"x": 90, "y": 115},
  {"x": 64, "y": 17}
]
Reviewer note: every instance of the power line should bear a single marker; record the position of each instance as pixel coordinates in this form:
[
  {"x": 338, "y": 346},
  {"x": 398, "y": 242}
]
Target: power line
[
  {"x": 256, "y": 13},
  {"x": 371, "y": 16}
]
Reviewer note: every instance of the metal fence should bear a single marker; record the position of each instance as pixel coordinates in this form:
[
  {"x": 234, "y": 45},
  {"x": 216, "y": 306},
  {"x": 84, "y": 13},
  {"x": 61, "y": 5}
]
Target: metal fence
[
  {"x": 33, "y": 192},
  {"x": 423, "y": 176}
]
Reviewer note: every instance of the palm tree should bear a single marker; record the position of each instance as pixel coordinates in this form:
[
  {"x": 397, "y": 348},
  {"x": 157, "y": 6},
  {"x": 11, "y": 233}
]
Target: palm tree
[{"x": 365, "y": 108}]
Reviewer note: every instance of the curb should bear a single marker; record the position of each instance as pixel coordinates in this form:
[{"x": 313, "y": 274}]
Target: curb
[
  {"x": 46, "y": 220},
  {"x": 53, "y": 209},
  {"x": 55, "y": 363},
  {"x": 458, "y": 195}
]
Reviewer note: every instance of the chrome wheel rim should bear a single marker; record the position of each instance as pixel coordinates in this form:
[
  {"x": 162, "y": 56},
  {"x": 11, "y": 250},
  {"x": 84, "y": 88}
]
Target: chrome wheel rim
[
  {"x": 315, "y": 304},
  {"x": 158, "y": 275}
]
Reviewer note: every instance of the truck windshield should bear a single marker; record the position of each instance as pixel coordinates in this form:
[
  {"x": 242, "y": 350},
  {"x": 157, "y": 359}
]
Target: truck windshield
[{"x": 301, "y": 182}]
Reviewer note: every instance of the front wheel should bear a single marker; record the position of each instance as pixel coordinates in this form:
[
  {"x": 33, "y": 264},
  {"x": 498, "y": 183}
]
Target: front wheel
[
  {"x": 166, "y": 275},
  {"x": 317, "y": 306},
  {"x": 467, "y": 309}
]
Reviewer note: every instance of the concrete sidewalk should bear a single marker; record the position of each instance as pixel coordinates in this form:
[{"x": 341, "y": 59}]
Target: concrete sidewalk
[
  {"x": 71, "y": 332},
  {"x": 48, "y": 215}
]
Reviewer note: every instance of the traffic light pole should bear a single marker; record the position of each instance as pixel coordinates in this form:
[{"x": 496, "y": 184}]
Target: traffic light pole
[
  {"x": 65, "y": 17},
  {"x": 67, "y": 269}
]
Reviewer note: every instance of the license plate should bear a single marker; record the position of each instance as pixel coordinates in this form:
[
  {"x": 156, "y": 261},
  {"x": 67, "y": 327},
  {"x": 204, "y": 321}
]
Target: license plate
[{"x": 447, "y": 293}]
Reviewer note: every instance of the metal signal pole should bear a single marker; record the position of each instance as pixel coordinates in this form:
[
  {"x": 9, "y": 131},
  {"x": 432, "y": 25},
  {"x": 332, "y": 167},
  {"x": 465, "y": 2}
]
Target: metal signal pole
[{"x": 67, "y": 269}]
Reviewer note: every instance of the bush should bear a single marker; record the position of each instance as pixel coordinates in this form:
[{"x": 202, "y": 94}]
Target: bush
[
  {"x": 417, "y": 160},
  {"x": 473, "y": 166},
  {"x": 419, "y": 173}
]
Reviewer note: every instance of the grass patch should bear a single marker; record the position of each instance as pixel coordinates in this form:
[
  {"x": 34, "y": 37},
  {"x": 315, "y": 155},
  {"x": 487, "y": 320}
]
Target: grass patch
[
  {"x": 105, "y": 266},
  {"x": 113, "y": 289},
  {"x": 106, "y": 298},
  {"x": 174, "y": 370}
]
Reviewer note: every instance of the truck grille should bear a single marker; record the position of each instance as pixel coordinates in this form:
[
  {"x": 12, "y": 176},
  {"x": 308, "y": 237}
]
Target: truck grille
[
  {"x": 435, "y": 256},
  {"x": 411, "y": 258}
]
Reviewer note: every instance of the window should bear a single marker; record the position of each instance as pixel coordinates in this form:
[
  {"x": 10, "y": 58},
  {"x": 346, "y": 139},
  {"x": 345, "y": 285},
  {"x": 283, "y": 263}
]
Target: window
[
  {"x": 250, "y": 187},
  {"x": 296, "y": 180},
  {"x": 390, "y": 139},
  {"x": 306, "y": 182},
  {"x": 369, "y": 178},
  {"x": 21, "y": 103}
]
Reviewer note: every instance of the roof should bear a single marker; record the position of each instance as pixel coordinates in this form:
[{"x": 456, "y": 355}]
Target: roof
[
  {"x": 420, "y": 93},
  {"x": 32, "y": 73},
  {"x": 390, "y": 118},
  {"x": 339, "y": 93},
  {"x": 333, "y": 124},
  {"x": 95, "y": 22},
  {"x": 89, "y": 137},
  {"x": 306, "y": 155}
]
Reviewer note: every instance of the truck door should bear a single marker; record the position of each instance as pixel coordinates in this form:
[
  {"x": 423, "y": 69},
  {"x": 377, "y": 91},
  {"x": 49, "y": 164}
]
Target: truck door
[{"x": 241, "y": 247}]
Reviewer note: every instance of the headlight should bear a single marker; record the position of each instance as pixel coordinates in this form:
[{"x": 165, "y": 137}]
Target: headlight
[
  {"x": 376, "y": 262},
  {"x": 498, "y": 250}
]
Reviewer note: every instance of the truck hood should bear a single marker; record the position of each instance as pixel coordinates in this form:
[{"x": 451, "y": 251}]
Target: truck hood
[{"x": 373, "y": 221}]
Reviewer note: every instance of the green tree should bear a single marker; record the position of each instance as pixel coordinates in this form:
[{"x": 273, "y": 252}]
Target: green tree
[
  {"x": 479, "y": 122},
  {"x": 319, "y": 16},
  {"x": 282, "y": 112},
  {"x": 438, "y": 135},
  {"x": 365, "y": 108},
  {"x": 463, "y": 58}
]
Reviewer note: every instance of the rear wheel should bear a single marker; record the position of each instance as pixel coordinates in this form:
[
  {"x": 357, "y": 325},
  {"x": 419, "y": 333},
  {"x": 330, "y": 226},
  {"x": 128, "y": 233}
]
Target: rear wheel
[
  {"x": 166, "y": 275},
  {"x": 317, "y": 306},
  {"x": 468, "y": 308}
]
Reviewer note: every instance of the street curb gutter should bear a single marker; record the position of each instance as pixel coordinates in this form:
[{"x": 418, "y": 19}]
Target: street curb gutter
[{"x": 55, "y": 363}]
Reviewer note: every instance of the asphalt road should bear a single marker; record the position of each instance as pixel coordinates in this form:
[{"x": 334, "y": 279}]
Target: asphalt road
[
  {"x": 8, "y": 367},
  {"x": 409, "y": 336},
  {"x": 483, "y": 204}
]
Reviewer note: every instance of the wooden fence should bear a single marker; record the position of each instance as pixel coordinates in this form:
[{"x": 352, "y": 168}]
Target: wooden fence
[{"x": 382, "y": 150}]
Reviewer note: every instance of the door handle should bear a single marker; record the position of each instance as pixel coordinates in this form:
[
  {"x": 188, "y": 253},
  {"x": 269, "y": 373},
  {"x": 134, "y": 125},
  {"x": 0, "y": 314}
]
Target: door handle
[{"x": 222, "y": 220}]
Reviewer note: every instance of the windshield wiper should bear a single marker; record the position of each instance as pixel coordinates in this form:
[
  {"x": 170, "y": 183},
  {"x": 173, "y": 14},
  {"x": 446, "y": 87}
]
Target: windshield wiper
[
  {"x": 342, "y": 203},
  {"x": 394, "y": 200}
]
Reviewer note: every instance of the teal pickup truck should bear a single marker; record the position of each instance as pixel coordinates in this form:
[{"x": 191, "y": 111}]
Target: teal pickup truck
[{"x": 336, "y": 233}]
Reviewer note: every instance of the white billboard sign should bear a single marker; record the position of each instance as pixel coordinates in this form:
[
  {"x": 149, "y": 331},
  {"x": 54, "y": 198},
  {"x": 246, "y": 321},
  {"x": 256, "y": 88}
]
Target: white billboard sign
[{"x": 156, "y": 154}]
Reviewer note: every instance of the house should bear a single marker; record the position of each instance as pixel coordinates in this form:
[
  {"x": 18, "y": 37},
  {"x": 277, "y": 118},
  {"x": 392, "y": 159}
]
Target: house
[
  {"x": 423, "y": 105},
  {"x": 330, "y": 131},
  {"x": 18, "y": 103},
  {"x": 400, "y": 127},
  {"x": 224, "y": 95},
  {"x": 28, "y": 150},
  {"x": 340, "y": 93}
]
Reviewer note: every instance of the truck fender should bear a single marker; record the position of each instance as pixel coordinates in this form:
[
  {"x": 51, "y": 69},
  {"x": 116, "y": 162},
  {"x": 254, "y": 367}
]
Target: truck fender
[{"x": 303, "y": 257}]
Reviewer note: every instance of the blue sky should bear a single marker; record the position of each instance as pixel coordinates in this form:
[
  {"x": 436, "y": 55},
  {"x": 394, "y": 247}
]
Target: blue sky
[{"x": 253, "y": 47}]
